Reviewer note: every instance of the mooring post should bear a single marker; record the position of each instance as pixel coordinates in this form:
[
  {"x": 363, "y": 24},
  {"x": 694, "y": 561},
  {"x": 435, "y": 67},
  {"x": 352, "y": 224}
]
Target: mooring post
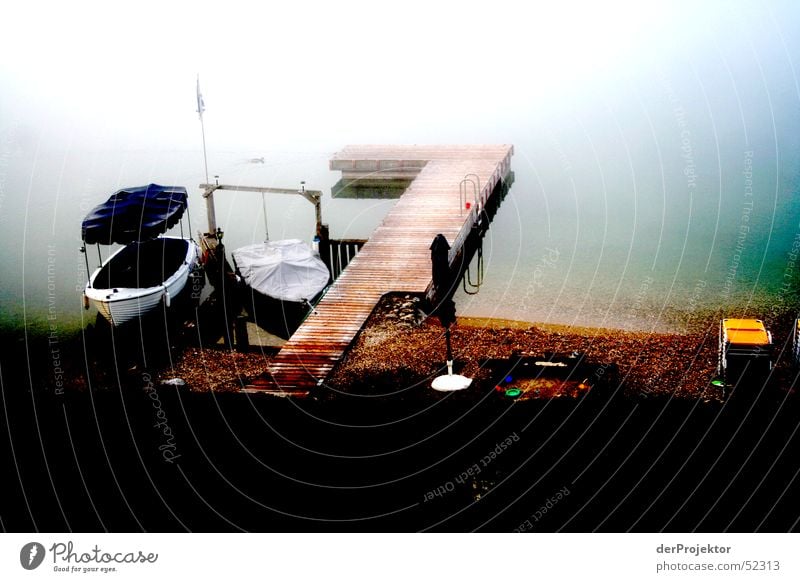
[
  {"x": 242, "y": 339},
  {"x": 325, "y": 248},
  {"x": 210, "y": 212},
  {"x": 445, "y": 310},
  {"x": 440, "y": 268}
]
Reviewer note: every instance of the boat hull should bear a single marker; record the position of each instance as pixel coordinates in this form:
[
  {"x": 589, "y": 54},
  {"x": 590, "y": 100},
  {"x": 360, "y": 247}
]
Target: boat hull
[
  {"x": 278, "y": 317},
  {"x": 121, "y": 304},
  {"x": 280, "y": 280}
]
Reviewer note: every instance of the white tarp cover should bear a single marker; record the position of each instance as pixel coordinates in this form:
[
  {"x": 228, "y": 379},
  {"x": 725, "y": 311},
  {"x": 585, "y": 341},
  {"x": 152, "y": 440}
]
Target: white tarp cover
[{"x": 284, "y": 269}]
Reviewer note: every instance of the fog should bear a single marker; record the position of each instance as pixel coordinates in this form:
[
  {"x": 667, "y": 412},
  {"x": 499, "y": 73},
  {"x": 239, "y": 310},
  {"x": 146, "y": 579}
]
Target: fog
[
  {"x": 294, "y": 75},
  {"x": 98, "y": 97}
]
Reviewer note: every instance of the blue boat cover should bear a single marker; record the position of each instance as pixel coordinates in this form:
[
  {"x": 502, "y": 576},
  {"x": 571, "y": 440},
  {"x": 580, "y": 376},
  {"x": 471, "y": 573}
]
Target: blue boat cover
[{"x": 135, "y": 214}]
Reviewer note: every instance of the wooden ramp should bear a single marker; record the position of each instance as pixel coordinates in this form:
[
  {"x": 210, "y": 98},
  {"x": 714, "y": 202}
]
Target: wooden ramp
[{"x": 397, "y": 255}]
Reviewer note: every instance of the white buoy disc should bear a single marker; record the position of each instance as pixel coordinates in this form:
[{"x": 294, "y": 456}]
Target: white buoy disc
[{"x": 452, "y": 383}]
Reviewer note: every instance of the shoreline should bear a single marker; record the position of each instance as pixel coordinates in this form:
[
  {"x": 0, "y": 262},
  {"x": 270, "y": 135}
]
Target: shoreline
[
  {"x": 396, "y": 351},
  {"x": 501, "y": 323},
  {"x": 650, "y": 363}
]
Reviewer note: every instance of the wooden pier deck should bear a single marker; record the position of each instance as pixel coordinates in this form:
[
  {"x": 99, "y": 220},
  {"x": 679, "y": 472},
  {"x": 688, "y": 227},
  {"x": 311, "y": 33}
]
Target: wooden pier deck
[{"x": 396, "y": 258}]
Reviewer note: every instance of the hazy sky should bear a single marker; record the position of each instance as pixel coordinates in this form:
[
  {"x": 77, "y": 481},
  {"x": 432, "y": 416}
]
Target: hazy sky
[{"x": 302, "y": 74}]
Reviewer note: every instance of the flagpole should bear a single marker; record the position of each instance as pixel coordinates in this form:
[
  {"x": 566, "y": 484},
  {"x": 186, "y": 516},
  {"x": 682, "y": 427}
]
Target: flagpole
[
  {"x": 209, "y": 193},
  {"x": 200, "y": 109}
]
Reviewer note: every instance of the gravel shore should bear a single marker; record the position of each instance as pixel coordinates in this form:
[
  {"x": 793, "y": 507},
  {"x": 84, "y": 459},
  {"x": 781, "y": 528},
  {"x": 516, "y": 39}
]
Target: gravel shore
[
  {"x": 394, "y": 345},
  {"x": 399, "y": 348}
]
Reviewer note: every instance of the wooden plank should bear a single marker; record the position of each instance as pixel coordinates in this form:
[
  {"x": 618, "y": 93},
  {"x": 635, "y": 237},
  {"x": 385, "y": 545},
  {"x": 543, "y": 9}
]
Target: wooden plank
[{"x": 397, "y": 256}]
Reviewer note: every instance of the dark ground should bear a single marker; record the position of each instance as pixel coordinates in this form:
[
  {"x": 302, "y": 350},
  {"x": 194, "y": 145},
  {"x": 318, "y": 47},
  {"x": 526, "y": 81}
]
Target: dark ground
[{"x": 111, "y": 454}]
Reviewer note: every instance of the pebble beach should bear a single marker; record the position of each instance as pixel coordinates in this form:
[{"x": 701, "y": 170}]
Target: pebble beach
[{"x": 399, "y": 348}]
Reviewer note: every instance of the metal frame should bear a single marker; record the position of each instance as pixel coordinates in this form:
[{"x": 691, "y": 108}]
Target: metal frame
[{"x": 313, "y": 196}]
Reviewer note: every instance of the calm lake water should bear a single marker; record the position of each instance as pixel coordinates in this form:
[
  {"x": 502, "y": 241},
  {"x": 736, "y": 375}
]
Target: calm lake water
[{"x": 639, "y": 201}]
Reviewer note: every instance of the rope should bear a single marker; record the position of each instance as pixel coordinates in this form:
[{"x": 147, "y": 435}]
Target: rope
[{"x": 264, "y": 210}]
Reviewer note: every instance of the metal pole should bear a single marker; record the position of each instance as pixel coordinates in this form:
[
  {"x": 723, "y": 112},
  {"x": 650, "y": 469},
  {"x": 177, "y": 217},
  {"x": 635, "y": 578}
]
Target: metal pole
[
  {"x": 209, "y": 195},
  {"x": 318, "y": 215},
  {"x": 189, "y": 221},
  {"x": 212, "y": 215},
  {"x": 86, "y": 259},
  {"x": 200, "y": 108},
  {"x": 205, "y": 158},
  {"x": 449, "y": 351}
]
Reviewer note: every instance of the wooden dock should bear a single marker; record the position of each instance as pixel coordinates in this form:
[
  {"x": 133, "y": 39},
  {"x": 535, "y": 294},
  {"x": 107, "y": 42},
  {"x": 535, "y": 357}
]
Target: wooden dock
[{"x": 397, "y": 257}]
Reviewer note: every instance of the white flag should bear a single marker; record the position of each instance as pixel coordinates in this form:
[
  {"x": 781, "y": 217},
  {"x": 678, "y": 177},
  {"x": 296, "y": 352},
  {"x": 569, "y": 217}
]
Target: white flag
[{"x": 201, "y": 106}]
